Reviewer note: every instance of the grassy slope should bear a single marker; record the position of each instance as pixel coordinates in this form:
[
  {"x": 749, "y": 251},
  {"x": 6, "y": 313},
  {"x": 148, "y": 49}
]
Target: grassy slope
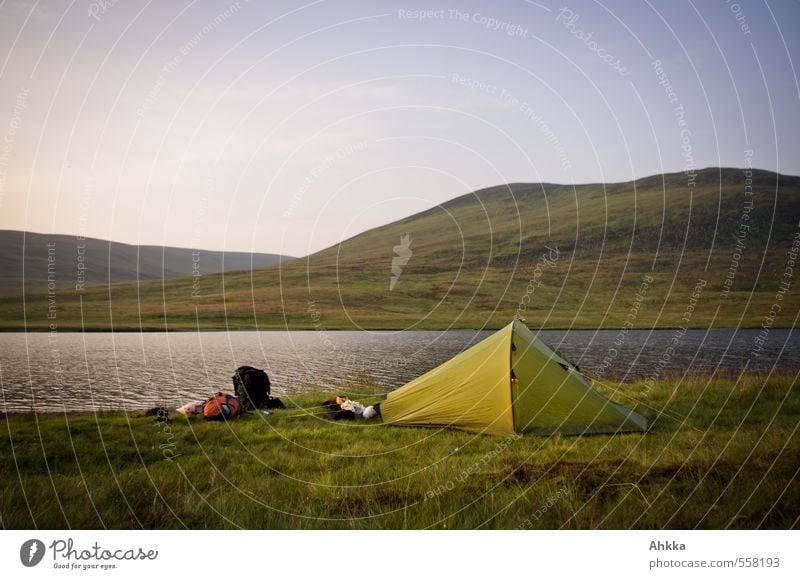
[
  {"x": 474, "y": 256},
  {"x": 733, "y": 463},
  {"x": 26, "y": 252}
]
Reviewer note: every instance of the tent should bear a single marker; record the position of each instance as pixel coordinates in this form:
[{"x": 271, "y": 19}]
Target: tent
[{"x": 511, "y": 382}]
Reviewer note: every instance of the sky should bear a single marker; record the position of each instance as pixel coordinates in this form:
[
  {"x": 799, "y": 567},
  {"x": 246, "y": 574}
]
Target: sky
[{"x": 287, "y": 127}]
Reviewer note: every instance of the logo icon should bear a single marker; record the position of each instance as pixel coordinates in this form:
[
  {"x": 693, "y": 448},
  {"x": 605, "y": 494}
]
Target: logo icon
[
  {"x": 31, "y": 553},
  {"x": 402, "y": 255}
]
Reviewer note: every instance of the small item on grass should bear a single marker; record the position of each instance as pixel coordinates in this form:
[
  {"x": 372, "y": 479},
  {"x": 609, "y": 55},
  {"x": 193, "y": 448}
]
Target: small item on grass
[
  {"x": 191, "y": 408},
  {"x": 372, "y": 411},
  {"x": 161, "y": 413},
  {"x": 273, "y": 403},
  {"x": 268, "y": 413}
]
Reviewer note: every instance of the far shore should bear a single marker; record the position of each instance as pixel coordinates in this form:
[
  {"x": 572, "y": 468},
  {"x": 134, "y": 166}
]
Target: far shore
[{"x": 491, "y": 327}]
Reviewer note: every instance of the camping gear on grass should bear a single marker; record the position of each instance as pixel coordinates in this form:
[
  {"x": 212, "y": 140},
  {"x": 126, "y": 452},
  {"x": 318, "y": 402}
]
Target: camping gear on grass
[
  {"x": 333, "y": 410},
  {"x": 161, "y": 413},
  {"x": 191, "y": 408},
  {"x": 221, "y": 407},
  {"x": 273, "y": 403},
  {"x": 251, "y": 386},
  {"x": 372, "y": 411},
  {"x": 342, "y": 408},
  {"x": 355, "y": 407},
  {"x": 511, "y": 382}
]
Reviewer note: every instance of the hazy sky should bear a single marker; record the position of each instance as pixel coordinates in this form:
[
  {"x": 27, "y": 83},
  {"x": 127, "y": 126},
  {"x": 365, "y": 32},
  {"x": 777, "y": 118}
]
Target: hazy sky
[{"x": 287, "y": 126}]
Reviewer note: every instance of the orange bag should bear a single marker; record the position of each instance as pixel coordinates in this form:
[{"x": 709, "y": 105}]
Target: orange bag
[{"x": 221, "y": 407}]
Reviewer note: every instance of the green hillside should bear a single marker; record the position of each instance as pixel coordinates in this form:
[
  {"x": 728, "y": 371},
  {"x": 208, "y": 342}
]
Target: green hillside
[
  {"x": 88, "y": 261},
  {"x": 585, "y": 256}
]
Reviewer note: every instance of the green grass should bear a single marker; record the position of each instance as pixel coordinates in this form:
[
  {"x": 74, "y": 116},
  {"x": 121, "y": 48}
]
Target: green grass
[
  {"x": 733, "y": 463},
  {"x": 473, "y": 258}
]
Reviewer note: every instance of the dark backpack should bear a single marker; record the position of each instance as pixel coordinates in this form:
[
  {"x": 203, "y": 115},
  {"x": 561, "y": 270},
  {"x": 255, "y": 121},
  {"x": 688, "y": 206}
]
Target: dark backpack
[{"x": 251, "y": 387}]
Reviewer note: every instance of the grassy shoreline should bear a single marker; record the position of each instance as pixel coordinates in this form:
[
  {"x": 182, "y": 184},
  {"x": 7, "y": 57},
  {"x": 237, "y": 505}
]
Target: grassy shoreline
[{"x": 730, "y": 461}]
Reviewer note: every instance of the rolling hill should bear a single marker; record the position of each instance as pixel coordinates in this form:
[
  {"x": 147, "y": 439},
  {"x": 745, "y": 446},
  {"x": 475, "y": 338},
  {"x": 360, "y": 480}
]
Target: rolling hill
[
  {"x": 674, "y": 250},
  {"x": 71, "y": 260}
]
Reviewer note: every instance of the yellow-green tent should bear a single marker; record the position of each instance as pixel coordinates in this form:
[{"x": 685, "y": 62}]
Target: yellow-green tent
[{"x": 510, "y": 382}]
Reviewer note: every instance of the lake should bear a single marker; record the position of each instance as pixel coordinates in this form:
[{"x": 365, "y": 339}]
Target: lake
[{"x": 127, "y": 371}]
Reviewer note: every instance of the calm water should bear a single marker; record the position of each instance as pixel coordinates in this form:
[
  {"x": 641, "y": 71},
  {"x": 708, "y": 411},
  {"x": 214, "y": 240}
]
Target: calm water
[{"x": 75, "y": 371}]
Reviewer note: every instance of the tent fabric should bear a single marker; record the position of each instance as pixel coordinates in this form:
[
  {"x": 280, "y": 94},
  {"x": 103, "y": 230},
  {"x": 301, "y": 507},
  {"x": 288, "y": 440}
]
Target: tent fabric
[
  {"x": 469, "y": 391},
  {"x": 511, "y": 382},
  {"x": 550, "y": 395}
]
